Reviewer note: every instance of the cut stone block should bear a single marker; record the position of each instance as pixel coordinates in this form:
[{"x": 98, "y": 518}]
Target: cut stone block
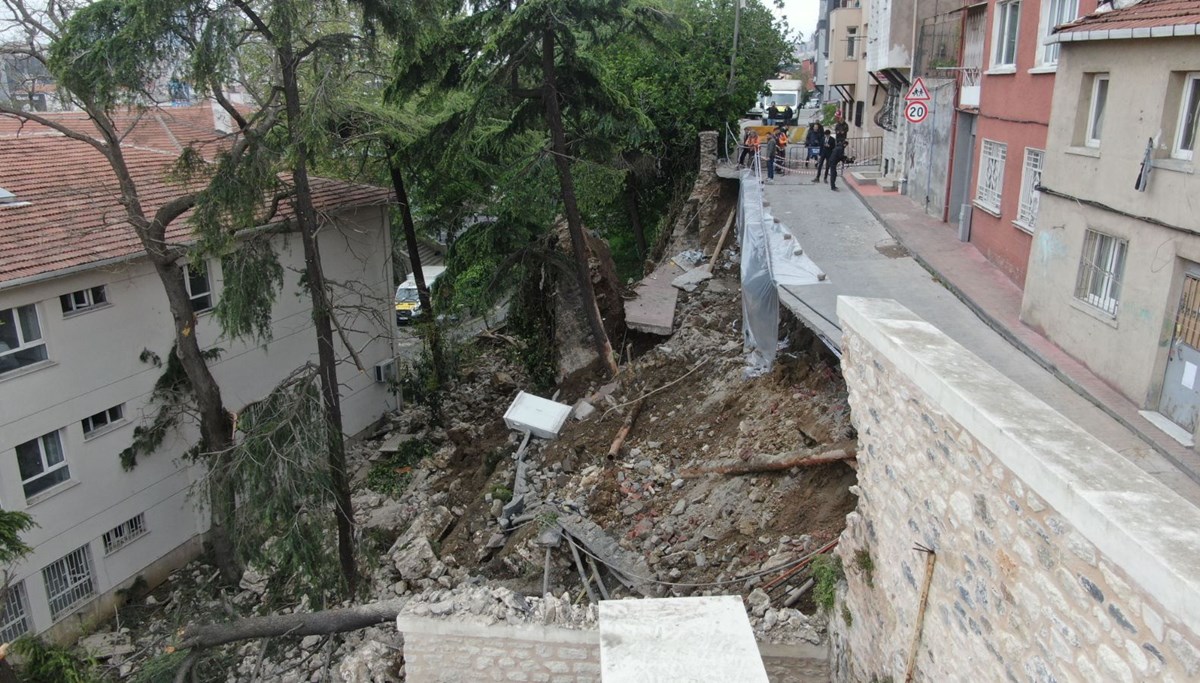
[
  {"x": 653, "y": 309},
  {"x": 678, "y": 639}
]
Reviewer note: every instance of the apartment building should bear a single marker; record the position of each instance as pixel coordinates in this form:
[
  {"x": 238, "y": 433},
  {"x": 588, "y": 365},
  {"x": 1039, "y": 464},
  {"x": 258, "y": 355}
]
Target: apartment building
[
  {"x": 1114, "y": 269},
  {"x": 84, "y": 332}
]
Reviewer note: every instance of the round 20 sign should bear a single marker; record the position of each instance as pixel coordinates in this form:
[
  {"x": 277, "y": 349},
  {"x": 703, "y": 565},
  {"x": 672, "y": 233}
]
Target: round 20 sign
[{"x": 915, "y": 112}]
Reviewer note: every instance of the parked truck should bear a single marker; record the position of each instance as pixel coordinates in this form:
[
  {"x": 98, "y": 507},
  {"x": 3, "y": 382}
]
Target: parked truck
[
  {"x": 783, "y": 92},
  {"x": 408, "y": 302}
]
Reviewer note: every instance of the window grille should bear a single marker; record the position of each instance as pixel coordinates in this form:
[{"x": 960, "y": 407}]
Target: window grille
[
  {"x": 1031, "y": 177},
  {"x": 69, "y": 581},
  {"x": 123, "y": 533},
  {"x": 14, "y": 612},
  {"x": 991, "y": 174},
  {"x": 1100, "y": 271}
]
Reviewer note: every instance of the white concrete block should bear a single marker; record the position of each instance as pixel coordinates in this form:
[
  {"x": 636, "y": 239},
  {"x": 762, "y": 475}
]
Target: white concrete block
[
  {"x": 540, "y": 416},
  {"x": 678, "y": 639}
]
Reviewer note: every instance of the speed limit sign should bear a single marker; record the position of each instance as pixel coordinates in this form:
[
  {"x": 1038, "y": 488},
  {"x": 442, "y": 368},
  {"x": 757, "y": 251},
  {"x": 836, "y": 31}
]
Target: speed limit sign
[{"x": 915, "y": 112}]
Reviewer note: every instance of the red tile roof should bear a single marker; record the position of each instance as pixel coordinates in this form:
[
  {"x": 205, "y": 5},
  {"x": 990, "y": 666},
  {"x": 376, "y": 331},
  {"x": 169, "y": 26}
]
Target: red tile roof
[
  {"x": 1147, "y": 14},
  {"x": 67, "y": 213}
]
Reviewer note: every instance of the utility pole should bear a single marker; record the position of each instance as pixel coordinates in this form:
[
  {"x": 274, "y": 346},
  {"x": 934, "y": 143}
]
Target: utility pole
[{"x": 737, "y": 25}]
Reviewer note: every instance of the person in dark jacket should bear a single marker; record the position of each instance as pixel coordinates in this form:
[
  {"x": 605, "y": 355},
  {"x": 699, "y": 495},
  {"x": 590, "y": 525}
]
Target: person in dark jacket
[
  {"x": 823, "y": 155},
  {"x": 772, "y": 144},
  {"x": 836, "y": 156},
  {"x": 812, "y": 142}
]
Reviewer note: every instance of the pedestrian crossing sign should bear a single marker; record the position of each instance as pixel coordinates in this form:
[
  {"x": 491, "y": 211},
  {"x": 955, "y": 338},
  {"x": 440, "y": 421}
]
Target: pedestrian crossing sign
[{"x": 918, "y": 92}]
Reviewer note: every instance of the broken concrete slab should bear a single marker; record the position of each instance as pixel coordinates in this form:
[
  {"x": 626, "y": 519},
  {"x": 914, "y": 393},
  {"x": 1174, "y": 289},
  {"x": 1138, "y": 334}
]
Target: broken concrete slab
[
  {"x": 629, "y": 567},
  {"x": 583, "y": 410},
  {"x": 690, "y": 280},
  {"x": 536, "y": 415},
  {"x": 653, "y": 308},
  {"x": 393, "y": 442}
]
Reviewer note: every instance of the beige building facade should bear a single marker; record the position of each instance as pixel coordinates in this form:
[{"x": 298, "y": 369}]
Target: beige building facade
[{"x": 1114, "y": 272}]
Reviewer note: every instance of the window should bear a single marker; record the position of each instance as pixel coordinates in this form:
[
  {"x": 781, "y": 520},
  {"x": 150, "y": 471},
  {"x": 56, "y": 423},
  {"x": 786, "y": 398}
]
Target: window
[
  {"x": 1054, "y": 13},
  {"x": 14, "y": 613},
  {"x": 991, "y": 175},
  {"x": 42, "y": 463},
  {"x": 69, "y": 581},
  {"x": 83, "y": 300},
  {"x": 198, "y": 287},
  {"x": 127, "y": 531},
  {"x": 1031, "y": 176},
  {"x": 21, "y": 342},
  {"x": 1100, "y": 270},
  {"x": 1004, "y": 38},
  {"x": 1095, "y": 122},
  {"x": 96, "y": 423},
  {"x": 851, "y": 43},
  {"x": 1189, "y": 115}
]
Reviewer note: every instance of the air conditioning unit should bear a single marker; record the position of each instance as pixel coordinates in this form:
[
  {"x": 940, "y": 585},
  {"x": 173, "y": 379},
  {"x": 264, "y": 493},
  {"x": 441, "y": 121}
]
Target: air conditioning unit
[{"x": 385, "y": 372}]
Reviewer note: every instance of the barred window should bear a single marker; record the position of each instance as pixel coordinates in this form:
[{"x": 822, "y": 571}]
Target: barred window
[
  {"x": 991, "y": 174},
  {"x": 125, "y": 532},
  {"x": 14, "y": 612},
  {"x": 69, "y": 581},
  {"x": 1100, "y": 271},
  {"x": 1031, "y": 177}
]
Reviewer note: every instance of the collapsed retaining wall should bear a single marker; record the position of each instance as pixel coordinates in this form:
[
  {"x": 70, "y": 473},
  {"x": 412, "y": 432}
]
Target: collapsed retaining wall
[{"x": 1056, "y": 559}]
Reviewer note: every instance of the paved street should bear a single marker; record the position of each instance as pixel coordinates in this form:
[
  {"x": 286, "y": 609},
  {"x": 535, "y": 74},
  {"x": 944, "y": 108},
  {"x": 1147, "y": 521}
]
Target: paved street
[{"x": 861, "y": 258}]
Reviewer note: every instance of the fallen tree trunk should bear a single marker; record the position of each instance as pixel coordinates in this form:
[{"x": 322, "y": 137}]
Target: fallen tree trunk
[
  {"x": 619, "y": 441},
  {"x": 309, "y": 624},
  {"x": 804, "y": 458}
]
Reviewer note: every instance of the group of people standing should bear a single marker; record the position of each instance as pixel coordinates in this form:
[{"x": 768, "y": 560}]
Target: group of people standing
[{"x": 826, "y": 146}]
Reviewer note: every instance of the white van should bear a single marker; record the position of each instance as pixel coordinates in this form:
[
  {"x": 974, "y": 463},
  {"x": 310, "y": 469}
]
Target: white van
[
  {"x": 784, "y": 92},
  {"x": 408, "y": 302}
]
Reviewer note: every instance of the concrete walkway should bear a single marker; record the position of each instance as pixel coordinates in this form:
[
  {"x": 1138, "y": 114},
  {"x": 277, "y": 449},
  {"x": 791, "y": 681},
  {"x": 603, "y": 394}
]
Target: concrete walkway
[{"x": 960, "y": 292}]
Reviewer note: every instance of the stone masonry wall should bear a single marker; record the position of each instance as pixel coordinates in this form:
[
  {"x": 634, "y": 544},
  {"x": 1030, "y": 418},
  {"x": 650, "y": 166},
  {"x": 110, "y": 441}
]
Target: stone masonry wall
[
  {"x": 1056, "y": 559},
  {"x": 443, "y": 658}
]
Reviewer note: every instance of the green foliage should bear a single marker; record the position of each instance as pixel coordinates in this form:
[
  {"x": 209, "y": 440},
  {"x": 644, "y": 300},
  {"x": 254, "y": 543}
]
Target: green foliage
[
  {"x": 279, "y": 464},
  {"x": 173, "y": 396},
  {"x": 501, "y": 492},
  {"x": 828, "y": 114},
  {"x": 862, "y": 560},
  {"x": 42, "y": 661},
  {"x": 531, "y": 319},
  {"x": 252, "y": 277},
  {"x": 827, "y": 571},
  {"x": 391, "y": 476},
  {"x": 847, "y": 616},
  {"x": 12, "y": 525}
]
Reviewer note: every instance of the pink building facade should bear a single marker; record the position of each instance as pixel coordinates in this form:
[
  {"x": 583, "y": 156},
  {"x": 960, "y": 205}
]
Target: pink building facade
[{"x": 1008, "y": 151}]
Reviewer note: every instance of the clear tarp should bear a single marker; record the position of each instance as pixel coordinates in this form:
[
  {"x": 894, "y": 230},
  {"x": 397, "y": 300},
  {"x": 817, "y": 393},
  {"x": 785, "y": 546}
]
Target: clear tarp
[{"x": 770, "y": 258}]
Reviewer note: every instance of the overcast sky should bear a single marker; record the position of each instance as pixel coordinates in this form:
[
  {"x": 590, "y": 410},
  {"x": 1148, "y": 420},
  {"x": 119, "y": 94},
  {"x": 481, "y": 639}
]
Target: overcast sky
[{"x": 801, "y": 14}]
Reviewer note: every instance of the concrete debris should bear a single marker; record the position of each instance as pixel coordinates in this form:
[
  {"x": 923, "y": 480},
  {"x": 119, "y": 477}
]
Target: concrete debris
[
  {"x": 484, "y": 605},
  {"x": 372, "y": 662},
  {"x": 254, "y": 581},
  {"x": 105, "y": 646},
  {"x": 690, "y": 280},
  {"x": 583, "y": 409}
]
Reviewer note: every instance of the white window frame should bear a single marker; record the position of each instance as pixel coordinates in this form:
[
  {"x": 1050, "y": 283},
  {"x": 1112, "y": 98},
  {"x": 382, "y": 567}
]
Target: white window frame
[
  {"x": 1054, "y": 13},
  {"x": 103, "y": 421},
  {"x": 48, "y": 468},
  {"x": 70, "y": 582},
  {"x": 988, "y": 196},
  {"x": 23, "y": 344},
  {"x": 14, "y": 612},
  {"x": 1189, "y": 96},
  {"x": 1008, "y": 16},
  {"x": 851, "y": 43},
  {"x": 202, "y": 296},
  {"x": 1031, "y": 177},
  {"x": 1096, "y": 110},
  {"x": 83, "y": 300},
  {"x": 124, "y": 533},
  {"x": 1101, "y": 268}
]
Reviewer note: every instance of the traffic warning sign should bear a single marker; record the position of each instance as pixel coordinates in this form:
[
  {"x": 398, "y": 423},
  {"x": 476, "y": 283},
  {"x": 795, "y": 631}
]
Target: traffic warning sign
[
  {"x": 915, "y": 111},
  {"x": 918, "y": 92}
]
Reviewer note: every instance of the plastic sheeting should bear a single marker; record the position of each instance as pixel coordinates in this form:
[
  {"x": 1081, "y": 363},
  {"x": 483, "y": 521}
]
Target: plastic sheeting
[{"x": 770, "y": 258}]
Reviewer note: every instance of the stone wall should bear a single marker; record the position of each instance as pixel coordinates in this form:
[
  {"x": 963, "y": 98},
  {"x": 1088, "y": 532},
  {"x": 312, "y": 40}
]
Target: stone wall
[
  {"x": 444, "y": 652},
  {"x": 1056, "y": 559}
]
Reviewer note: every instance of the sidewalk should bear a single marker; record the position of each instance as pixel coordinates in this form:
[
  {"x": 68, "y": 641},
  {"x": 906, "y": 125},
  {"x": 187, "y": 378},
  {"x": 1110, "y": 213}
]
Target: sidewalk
[{"x": 863, "y": 243}]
